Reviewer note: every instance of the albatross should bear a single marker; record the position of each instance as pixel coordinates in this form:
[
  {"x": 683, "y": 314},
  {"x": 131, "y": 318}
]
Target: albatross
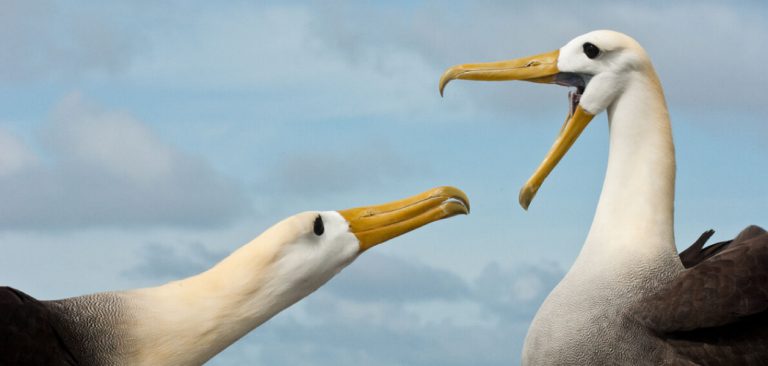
[
  {"x": 187, "y": 322},
  {"x": 630, "y": 298}
]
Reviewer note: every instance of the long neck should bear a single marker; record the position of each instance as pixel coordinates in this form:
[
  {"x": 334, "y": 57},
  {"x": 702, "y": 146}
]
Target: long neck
[
  {"x": 189, "y": 321},
  {"x": 630, "y": 249},
  {"x": 633, "y": 224}
]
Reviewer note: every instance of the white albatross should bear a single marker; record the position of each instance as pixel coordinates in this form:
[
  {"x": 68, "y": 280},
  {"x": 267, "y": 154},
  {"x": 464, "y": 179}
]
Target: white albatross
[
  {"x": 629, "y": 298},
  {"x": 187, "y": 322}
]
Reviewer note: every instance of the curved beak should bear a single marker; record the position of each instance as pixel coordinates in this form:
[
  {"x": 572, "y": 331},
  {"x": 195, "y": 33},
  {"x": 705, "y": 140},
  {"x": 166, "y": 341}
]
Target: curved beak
[
  {"x": 540, "y": 68},
  {"x": 572, "y": 129},
  {"x": 373, "y": 225}
]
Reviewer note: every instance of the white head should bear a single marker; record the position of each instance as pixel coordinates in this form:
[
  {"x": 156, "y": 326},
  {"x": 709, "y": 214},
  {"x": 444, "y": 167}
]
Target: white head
[
  {"x": 307, "y": 250},
  {"x": 599, "y": 64},
  {"x": 299, "y": 254}
]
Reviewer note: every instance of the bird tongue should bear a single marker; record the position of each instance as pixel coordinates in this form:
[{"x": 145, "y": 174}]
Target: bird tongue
[
  {"x": 573, "y": 101},
  {"x": 574, "y": 97}
]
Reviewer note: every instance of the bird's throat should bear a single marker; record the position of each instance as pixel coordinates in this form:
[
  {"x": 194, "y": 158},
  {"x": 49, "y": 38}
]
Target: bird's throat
[{"x": 187, "y": 322}]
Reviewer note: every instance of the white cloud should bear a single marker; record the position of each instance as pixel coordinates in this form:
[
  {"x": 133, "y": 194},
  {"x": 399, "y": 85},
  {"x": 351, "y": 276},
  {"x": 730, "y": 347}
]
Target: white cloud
[
  {"x": 112, "y": 142},
  {"x": 102, "y": 167},
  {"x": 14, "y": 154}
]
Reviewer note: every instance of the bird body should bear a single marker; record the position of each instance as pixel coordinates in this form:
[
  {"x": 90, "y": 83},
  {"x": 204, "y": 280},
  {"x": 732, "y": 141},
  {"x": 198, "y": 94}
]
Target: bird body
[
  {"x": 187, "y": 322},
  {"x": 630, "y": 250},
  {"x": 629, "y": 299}
]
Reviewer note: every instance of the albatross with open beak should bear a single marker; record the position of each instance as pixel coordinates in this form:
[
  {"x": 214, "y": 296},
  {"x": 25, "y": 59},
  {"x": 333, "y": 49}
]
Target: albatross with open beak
[
  {"x": 187, "y": 322},
  {"x": 629, "y": 298}
]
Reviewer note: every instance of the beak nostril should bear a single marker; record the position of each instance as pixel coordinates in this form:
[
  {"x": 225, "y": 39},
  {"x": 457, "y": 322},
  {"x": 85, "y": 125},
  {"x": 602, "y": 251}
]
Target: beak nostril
[{"x": 533, "y": 63}]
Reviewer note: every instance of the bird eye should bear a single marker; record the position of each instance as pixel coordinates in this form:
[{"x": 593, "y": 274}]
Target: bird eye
[
  {"x": 319, "y": 227},
  {"x": 591, "y": 50}
]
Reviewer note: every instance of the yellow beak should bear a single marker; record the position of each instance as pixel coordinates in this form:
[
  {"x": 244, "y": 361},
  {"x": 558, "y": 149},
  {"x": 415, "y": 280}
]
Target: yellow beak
[
  {"x": 568, "y": 135},
  {"x": 539, "y": 69},
  {"x": 376, "y": 224}
]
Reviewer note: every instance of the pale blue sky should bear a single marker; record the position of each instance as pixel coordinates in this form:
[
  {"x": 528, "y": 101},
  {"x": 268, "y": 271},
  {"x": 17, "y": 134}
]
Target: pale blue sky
[{"x": 141, "y": 142}]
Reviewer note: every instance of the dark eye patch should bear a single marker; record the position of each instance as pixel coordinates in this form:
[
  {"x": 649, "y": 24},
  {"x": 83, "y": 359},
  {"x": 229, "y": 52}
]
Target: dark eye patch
[
  {"x": 591, "y": 50},
  {"x": 319, "y": 227}
]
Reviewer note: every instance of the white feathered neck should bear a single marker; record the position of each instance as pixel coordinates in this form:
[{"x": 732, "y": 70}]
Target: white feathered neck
[
  {"x": 630, "y": 248},
  {"x": 189, "y": 321}
]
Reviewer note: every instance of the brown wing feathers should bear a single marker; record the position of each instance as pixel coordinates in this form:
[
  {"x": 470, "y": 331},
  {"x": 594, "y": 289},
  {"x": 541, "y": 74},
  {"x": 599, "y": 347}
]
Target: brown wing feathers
[
  {"x": 716, "y": 311},
  {"x": 28, "y": 335}
]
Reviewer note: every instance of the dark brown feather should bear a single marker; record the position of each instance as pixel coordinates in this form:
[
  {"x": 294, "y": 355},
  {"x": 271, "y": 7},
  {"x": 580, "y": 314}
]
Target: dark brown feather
[
  {"x": 716, "y": 312},
  {"x": 696, "y": 253},
  {"x": 28, "y": 332}
]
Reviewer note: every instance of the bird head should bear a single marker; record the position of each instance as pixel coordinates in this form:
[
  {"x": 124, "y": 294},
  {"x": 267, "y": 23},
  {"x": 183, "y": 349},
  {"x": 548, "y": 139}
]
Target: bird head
[
  {"x": 304, "y": 251},
  {"x": 599, "y": 65}
]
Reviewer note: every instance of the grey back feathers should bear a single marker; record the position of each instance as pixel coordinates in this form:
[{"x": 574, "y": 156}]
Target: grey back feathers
[
  {"x": 86, "y": 330},
  {"x": 94, "y": 326}
]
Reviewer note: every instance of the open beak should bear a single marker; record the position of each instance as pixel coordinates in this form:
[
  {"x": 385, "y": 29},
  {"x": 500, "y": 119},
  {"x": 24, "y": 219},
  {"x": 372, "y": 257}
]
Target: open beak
[
  {"x": 540, "y": 68},
  {"x": 376, "y": 224}
]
